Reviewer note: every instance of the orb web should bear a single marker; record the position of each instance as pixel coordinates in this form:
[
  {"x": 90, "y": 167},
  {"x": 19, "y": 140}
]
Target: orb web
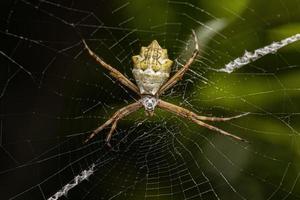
[{"x": 53, "y": 95}]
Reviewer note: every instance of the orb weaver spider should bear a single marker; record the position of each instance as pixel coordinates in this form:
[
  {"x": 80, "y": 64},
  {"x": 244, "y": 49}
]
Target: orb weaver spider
[{"x": 151, "y": 71}]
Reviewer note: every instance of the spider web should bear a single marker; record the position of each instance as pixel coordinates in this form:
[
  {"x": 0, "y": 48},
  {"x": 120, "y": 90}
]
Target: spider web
[{"x": 53, "y": 94}]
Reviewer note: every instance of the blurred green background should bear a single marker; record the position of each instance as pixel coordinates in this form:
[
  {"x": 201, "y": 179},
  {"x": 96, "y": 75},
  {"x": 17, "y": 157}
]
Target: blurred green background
[{"x": 164, "y": 157}]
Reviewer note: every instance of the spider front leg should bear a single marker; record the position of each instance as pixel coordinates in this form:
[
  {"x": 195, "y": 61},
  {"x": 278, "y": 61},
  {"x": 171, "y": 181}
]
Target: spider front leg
[
  {"x": 196, "y": 118},
  {"x": 179, "y": 74},
  {"x": 112, "y": 71},
  {"x": 123, "y": 112}
]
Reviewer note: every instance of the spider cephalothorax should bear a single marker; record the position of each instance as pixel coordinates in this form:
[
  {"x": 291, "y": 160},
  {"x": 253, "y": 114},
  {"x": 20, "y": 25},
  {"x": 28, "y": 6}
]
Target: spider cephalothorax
[
  {"x": 149, "y": 102},
  {"x": 151, "y": 71}
]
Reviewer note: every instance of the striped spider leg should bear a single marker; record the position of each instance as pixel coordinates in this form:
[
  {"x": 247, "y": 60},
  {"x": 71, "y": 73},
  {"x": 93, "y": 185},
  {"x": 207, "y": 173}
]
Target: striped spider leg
[
  {"x": 179, "y": 74},
  {"x": 123, "y": 112},
  {"x": 112, "y": 71},
  {"x": 183, "y": 112}
]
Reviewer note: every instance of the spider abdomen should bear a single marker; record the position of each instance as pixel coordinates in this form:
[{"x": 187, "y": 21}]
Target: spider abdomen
[
  {"x": 151, "y": 68},
  {"x": 149, "y": 81}
]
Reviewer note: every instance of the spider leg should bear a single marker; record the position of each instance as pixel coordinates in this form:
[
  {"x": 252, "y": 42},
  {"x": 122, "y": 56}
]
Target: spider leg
[
  {"x": 112, "y": 129},
  {"x": 179, "y": 74},
  {"x": 183, "y": 112},
  {"x": 123, "y": 112},
  {"x": 219, "y": 119},
  {"x": 112, "y": 71}
]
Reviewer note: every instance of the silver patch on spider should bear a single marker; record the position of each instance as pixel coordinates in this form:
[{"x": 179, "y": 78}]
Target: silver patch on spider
[
  {"x": 149, "y": 81},
  {"x": 149, "y": 102}
]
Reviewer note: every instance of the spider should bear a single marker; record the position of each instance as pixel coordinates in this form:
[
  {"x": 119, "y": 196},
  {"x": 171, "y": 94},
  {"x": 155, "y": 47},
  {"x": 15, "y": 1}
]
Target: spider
[{"x": 151, "y": 72}]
